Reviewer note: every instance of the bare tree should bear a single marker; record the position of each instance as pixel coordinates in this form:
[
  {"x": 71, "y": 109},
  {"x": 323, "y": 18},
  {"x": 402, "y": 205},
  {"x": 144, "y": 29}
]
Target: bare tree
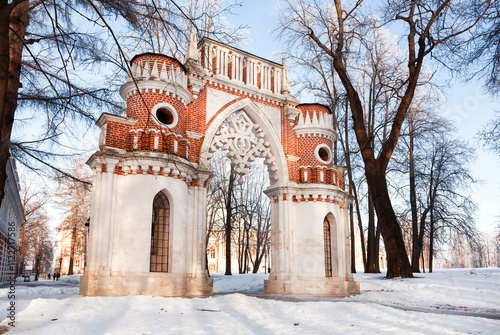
[
  {"x": 490, "y": 136},
  {"x": 62, "y": 60},
  {"x": 223, "y": 202},
  {"x": 421, "y": 128},
  {"x": 165, "y": 26},
  {"x": 255, "y": 213},
  {"x": 42, "y": 50},
  {"x": 496, "y": 245},
  {"x": 34, "y": 234},
  {"x": 332, "y": 27},
  {"x": 243, "y": 221},
  {"x": 446, "y": 180},
  {"x": 74, "y": 199},
  {"x": 480, "y": 57}
]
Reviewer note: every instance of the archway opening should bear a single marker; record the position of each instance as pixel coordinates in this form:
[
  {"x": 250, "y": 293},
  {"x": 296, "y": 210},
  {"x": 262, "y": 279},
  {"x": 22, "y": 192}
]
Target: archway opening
[
  {"x": 248, "y": 215},
  {"x": 238, "y": 211}
]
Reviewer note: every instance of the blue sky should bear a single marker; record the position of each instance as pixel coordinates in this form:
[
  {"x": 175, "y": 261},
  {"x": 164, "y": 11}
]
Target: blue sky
[{"x": 466, "y": 104}]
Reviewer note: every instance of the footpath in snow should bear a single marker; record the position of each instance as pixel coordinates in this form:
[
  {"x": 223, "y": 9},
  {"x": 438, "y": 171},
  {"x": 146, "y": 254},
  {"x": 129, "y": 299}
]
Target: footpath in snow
[{"x": 445, "y": 302}]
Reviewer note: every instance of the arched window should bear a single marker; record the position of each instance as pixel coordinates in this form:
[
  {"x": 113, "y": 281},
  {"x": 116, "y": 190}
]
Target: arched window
[
  {"x": 328, "y": 248},
  {"x": 159, "y": 234}
]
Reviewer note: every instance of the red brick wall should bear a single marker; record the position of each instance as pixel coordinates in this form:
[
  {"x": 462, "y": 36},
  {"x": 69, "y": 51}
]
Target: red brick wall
[{"x": 193, "y": 118}]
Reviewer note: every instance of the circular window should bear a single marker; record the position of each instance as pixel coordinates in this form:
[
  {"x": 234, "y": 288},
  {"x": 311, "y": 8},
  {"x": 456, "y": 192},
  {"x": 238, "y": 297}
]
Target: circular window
[
  {"x": 323, "y": 154},
  {"x": 165, "y": 115}
]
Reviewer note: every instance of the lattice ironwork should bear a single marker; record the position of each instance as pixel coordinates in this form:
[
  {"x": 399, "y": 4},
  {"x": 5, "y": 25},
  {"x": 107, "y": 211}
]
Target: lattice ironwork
[{"x": 160, "y": 234}]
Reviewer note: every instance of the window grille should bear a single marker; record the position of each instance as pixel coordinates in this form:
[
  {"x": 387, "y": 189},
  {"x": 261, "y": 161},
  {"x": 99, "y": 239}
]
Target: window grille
[
  {"x": 328, "y": 248},
  {"x": 160, "y": 234}
]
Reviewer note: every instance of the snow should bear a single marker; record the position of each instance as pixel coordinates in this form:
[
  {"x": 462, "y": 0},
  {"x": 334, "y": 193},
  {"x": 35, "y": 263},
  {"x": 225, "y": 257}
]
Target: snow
[
  {"x": 75, "y": 279},
  {"x": 239, "y": 283},
  {"x": 450, "y": 289},
  {"x": 444, "y": 302}
]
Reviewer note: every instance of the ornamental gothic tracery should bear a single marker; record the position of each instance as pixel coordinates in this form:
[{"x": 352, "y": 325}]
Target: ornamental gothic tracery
[{"x": 244, "y": 141}]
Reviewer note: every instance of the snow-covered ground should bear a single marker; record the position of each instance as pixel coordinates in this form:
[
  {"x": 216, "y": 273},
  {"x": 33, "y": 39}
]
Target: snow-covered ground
[{"x": 444, "y": 302}]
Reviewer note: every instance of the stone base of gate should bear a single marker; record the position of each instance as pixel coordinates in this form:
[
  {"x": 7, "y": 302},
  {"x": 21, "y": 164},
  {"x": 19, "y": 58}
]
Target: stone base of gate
[
  {"x": 105, "y": 283},
  {"x": 311, "y": 285}
]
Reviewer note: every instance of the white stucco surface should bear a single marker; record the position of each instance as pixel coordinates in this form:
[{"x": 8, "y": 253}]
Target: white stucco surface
[{"x": 215, "y": 101}]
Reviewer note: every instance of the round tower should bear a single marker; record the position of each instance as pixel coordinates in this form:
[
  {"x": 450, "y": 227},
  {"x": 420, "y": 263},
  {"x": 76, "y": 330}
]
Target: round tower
[
  {"x": 160, "y": 108},
  {"x": 315, "y": 136},
  {"x": 147, "y": 232}
]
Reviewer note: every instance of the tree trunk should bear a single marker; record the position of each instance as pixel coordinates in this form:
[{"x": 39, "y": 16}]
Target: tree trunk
[
  {"x": 258, "y": 259},
  {"x": 240, "y": 249},
  {"x": 13, "y": 22},
  {"x": 416, "y": 246},
  {"x": 423, "y": 261},
  {"x": 423, "y": 217},
  {"x": 372, "y": 260},
  {"x": 246, "y": 252},
  {"x": 352, "y": 188},
  {"x": 262, "y": 242},
  {"x": 377, "y": 250},
  {"x": 431, "y": 241},
  {"x": 228, "y": 228},
  {"x": 398, "y": 264},
  {"x": 72, "y": 252},
  {"x": 353, "y": 239}
]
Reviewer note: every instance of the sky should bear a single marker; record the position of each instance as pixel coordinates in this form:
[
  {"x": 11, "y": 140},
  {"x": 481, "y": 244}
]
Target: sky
[{"x": 466, "y": 104}]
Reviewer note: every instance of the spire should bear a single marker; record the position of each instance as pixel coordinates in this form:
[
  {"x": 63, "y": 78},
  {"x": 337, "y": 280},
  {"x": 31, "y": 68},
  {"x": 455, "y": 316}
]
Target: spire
[
  {"x": 192, "y": 48},
  {"x": 285, "y": 81}
]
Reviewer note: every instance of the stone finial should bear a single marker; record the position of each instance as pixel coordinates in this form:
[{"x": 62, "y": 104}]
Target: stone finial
[
  {"x": 285, "y": 81},
  {"x": 192, "y": 47}
]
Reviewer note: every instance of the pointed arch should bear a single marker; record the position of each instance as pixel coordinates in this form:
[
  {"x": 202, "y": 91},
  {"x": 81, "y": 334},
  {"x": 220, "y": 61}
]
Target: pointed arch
[
  {"x": 257, "y": 116},
  {"x": 160, "y": 234}
]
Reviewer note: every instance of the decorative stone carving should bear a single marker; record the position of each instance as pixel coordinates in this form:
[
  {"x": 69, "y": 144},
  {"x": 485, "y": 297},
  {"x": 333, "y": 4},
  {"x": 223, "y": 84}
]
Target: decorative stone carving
[
  {"x": 319, "y": 125},
  {"x": 244, "y": 141}
]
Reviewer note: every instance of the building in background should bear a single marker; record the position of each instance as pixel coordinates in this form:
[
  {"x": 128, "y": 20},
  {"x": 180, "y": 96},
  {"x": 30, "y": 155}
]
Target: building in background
[
  {"x": 216, "y": 257},
  {"x": 72, "y": 245},
  {"x": 11, "y": 218}
]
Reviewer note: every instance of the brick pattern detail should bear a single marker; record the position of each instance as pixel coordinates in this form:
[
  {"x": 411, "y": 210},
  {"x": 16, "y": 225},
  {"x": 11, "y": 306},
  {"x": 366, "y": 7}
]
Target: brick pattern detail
[
  {"x": 311, "y": 169},
  {"x": 147, "y": 134}
]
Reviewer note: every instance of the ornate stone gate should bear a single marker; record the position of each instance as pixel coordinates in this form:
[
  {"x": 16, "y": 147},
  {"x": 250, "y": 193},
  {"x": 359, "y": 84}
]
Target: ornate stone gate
[{"x": 148, "y": 219}]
